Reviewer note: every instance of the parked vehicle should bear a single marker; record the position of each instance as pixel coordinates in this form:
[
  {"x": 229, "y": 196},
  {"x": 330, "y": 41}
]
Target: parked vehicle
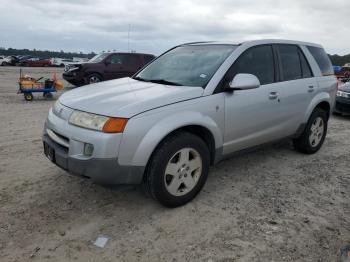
[
  {"x": 342, "y": 105},
  {"x": 62, "y": 62},
  {"x": 39, "y": 62},
  {"x": 2, "y": 60},
  {"x": 80, "y": 59},
  {"x": 23, "y": 58},
  {"x": 344, "y": 73},
  {"x": 105, "y": 66},
  {"x": 8, "y": 60},
  {"x": 191, "y": 107}
]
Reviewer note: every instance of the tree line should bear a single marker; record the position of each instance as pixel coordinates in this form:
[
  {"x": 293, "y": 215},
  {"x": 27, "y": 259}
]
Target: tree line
[
  {"x": 340, "y": 60},
  {"x": 45, "y": 53}
]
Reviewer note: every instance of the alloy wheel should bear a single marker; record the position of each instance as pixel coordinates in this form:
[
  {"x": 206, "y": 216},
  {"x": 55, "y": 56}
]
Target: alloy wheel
[
  {"x": 183, "y": 171},
  {"x": 317, "y": 131},
  {"x": 94, "y": 79}
]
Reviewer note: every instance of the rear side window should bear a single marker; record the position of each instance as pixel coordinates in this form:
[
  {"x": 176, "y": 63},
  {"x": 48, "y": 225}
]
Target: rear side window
[
  {"x": 257, "y": 61},
  {"x": 322, "y": 60},
  {"x": 290, "y": 62},
  {"x": 305, "y": 67},
  {"x": 293, "y": 63}
]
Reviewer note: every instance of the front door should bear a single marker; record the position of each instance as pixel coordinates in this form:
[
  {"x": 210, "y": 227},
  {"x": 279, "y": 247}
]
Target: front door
[{"x": 253, "y": 117}]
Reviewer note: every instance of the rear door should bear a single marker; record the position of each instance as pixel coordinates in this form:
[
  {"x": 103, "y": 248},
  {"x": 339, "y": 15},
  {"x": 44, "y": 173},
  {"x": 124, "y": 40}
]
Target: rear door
[
  {"x": 252, "y": 117},
  {"x": 298, "y": 86},
  {"x": 116, "y": 66}
]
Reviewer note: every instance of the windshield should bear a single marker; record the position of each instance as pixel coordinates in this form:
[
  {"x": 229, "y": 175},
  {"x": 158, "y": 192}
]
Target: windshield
[
  {"x": 190, "y": 65},
  {"x": 98, "y": 58}
]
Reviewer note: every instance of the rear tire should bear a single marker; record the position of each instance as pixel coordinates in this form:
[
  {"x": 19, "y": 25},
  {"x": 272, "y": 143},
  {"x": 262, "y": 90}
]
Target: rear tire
[
  {"x": 47, "y": 95},
  {"x": 178, "y": 169},
  {"x": 314, "y": 134}
]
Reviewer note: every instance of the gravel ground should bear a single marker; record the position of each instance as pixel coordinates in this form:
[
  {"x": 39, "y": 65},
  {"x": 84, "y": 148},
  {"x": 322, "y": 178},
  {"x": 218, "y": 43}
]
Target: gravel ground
[{"x": 272, "y": 204}]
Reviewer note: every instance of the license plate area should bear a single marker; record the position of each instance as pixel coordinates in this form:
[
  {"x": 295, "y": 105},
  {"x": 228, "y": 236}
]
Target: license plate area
[{"x": 49, "y": 152}]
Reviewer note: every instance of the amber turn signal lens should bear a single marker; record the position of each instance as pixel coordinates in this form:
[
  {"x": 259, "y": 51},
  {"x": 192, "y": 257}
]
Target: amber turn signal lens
[{"x": 115, "y": 125}]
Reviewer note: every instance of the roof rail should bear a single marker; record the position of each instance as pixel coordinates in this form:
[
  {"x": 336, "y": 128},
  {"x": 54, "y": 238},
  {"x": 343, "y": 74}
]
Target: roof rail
[{"x": 199, "y": 42}]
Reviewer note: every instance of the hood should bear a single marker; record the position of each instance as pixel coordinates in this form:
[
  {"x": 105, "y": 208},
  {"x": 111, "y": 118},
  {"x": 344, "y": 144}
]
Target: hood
[
  {"x": 345, "y": 87},
  {"x": 71, "y": 65},
  {"x": 126, "y": 97}
]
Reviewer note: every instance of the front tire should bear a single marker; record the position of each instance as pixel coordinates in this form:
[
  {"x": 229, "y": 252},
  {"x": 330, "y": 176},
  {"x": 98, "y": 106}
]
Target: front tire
[
  {"x": 93, "y": 78},
  {"x": 314, "y": 134},
  {"x": 28, "y": 97},
  {"x": 178, "y": 169}
]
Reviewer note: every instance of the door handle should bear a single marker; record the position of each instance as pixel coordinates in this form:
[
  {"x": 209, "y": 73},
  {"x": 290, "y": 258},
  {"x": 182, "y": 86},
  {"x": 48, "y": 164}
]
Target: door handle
[
  {"x": 311, "y": 89},
  {"x": 273, "y": 95}
]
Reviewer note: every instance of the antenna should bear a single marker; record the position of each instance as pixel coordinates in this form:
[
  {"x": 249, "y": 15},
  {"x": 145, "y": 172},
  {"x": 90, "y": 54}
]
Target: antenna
[{"x": 129, "y": 38}]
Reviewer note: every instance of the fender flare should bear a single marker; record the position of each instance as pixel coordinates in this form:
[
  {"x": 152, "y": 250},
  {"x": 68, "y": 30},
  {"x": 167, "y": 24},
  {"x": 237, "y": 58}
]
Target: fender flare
[
  {"x": 319, "y": 98},
  {"x": 168, "y": 125}
]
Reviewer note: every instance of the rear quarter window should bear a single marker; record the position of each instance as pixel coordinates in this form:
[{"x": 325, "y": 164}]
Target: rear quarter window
[{"x": 322, "y": 59}]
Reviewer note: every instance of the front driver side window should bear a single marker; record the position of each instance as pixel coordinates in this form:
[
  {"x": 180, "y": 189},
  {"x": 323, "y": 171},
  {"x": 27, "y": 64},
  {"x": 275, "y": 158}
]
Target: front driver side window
[{"x": 257, "y": 61}]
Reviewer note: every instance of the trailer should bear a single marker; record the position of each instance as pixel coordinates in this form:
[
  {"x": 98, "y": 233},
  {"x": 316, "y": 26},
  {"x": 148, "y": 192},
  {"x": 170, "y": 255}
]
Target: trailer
[{"x": 29, "y": 85}]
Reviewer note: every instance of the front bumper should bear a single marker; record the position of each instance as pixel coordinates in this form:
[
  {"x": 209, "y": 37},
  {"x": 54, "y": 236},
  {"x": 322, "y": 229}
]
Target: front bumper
[
  {"x": 102, "y": 167},
  {"x": 73, "y": 78},
  {"x": 342, "y": 105}
]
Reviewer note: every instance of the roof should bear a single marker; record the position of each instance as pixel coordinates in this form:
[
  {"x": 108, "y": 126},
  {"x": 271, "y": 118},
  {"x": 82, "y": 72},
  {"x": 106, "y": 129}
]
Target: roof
[
  {"x": 128, "y": 53},
  {"x": 255, "y": 42}
]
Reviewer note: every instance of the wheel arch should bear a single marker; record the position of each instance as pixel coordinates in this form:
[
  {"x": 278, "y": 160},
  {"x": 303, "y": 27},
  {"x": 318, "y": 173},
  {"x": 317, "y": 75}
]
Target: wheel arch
[
  {"x": 87, "y": 74},
  {"x": 322, "y": 101},
  {"x": 197, "y": 130},
  {"x": 324, "y": 105},
  {"x": 192, "y": 122}
]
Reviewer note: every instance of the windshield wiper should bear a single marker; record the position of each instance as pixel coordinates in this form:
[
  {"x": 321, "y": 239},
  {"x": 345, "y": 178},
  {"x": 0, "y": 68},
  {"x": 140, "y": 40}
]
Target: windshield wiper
[
  {"x": 157, "y": 81},
  {"x": 140, "y": 79},
  {"x": 164, "y": 82}
]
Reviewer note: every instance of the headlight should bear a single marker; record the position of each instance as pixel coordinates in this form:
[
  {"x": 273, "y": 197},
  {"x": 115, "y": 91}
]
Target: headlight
[
  {"x": 343, "y": 94},
  {"x": 98, "y": 122},
  {"x": 72, "y": 69}
]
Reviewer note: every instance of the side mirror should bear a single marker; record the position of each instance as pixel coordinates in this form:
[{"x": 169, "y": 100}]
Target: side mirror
[
  {"x": 108, "y": 62},
  {"x": 244, "y": 81}
]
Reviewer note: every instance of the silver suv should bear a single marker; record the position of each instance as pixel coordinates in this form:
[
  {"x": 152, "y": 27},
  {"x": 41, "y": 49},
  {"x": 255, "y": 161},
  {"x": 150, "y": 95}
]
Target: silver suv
[{"x": 190, "y": 108}]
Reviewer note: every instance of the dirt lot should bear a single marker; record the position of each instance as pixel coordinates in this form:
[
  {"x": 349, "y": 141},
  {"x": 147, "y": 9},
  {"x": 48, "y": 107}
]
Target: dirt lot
[{"x": 273, "y": 204}]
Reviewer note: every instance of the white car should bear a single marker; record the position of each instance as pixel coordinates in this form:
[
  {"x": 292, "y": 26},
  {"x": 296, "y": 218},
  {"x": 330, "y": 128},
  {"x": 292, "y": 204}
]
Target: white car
[
  {"x": 62, "y": 62},
  {"x": 5, "y": 60}
]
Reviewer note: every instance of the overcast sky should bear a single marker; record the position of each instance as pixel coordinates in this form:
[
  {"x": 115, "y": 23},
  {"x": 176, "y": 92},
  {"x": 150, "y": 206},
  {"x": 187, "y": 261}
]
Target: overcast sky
[{"x": 156, "y": 25}]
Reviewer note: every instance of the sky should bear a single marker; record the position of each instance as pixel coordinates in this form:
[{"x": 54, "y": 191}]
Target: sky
[{"x": 157, "y": 25}]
